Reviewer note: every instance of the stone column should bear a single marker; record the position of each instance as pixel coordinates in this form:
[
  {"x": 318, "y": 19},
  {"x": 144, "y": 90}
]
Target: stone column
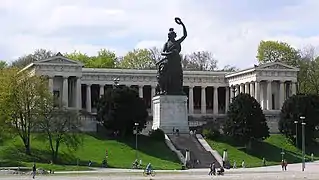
[
  {"x": 101, "y": 90},
  {"x": 203, "y": 100},
  {"x": 232, "y": 93},
  {"x": 191, "y": 100},
  {"x": 251, "y": 89},
  {"x": 237, "y": 90},
  {"x": 65, "y": 95},
  {"x": 241, "y": 88},
  {"x": 247, "y": 88},
  {"x": 152, "y": 95},
  {"x": 281, "y": 93},
  {"x": 293, "y": 88},
  {"x": 269, "y": 96},
  {"x": 227, "y": 99},
  {"x": 88, "y": 98},
  {"x": 215, "y": 110},
  {"x": 78, "y": 96},
  {"x": 257, "y": 91},
  {"x": 51, "y": 84},
  {"x": 140, "y": 91}
]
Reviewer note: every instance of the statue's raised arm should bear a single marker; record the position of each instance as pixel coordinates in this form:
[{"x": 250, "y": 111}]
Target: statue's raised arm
[{"x": 179, "y": 21}]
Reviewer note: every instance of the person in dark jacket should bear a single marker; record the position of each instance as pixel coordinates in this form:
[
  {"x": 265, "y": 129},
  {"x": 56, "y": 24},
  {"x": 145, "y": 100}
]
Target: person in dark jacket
[{"x": 34, "y": 170}]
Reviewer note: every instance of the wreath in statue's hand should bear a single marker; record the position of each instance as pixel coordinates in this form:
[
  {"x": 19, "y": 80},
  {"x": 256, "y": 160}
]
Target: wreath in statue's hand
[{"x": 178, "y": 20}]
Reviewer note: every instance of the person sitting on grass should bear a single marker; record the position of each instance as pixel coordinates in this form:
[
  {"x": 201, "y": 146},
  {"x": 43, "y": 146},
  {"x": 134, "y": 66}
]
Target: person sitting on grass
[{"x": 148, "y": 168}]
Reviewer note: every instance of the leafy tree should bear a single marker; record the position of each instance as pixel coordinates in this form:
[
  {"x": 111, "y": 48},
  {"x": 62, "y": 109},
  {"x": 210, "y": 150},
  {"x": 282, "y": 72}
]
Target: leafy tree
[
  {"x": 120, "y": 108},
  {"x": 21, "y": 98},
  {"x": 245, "y": 119},
  {"x": 295, "y": 107},
  {"x": 271, "y": 51},
  {"x": 199, "y": 61},
  {"x": 3, "y": 64},
  {"x": 308, "y": 75},
  {"x": 138, "y": 59},
  {"x": 37, "y": 55},
  {"x": 104, "y": 59},
  {"x": 60, "y": 126}
]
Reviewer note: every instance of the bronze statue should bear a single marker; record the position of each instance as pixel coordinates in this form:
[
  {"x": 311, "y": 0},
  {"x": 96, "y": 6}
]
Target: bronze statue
[{"x": 170, "y": 73}]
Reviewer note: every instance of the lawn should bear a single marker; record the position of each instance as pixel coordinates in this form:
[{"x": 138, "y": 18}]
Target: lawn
[
  {"x": 270, "y": 149},
  {"x": 121, "y": 153}
]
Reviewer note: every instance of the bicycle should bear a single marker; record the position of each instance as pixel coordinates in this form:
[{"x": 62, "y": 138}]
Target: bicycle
[{"x": 152, "y": 173}]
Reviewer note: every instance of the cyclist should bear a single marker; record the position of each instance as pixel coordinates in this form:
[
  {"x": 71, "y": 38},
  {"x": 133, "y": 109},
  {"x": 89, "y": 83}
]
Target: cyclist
[{"x": 148, "y": 168}]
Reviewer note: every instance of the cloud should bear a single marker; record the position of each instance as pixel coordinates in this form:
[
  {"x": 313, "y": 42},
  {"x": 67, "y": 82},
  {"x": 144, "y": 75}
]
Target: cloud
[{"x": 230, "y": 29}]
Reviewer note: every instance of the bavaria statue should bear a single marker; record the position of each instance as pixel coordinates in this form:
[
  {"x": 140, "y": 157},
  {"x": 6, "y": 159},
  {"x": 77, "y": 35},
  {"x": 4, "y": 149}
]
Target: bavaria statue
[{"x": 170, "y": 72}]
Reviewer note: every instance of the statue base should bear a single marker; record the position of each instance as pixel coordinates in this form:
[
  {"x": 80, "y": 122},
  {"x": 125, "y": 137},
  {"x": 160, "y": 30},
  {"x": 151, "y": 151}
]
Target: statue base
[{"x": 170, "y": 112}]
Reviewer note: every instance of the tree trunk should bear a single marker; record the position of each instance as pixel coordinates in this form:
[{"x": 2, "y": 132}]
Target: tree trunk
[
  {"x": 57, "y": 144},
  {"x": 27, "y": 148}
]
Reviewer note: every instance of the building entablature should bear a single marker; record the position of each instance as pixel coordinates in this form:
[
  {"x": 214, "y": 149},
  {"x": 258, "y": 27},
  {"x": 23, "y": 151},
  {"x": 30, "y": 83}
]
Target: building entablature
[{"x": 274, "y": 71}]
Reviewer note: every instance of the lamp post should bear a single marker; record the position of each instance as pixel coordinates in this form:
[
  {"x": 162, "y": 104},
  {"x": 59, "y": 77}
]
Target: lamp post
[
  {"x": 136, "y": 132},
  {"x": 296, "y": 123},
  {"x": 116, "y": 82},
  {"x": 302, "y": 118}
]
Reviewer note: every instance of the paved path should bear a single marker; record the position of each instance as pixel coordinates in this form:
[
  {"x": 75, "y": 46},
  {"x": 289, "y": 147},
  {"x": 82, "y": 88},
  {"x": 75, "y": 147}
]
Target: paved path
[{"x": 261, "y": 173}]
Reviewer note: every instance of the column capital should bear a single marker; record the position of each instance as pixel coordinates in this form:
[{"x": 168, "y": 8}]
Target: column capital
[
  {"x": 65, "y": 77},
  {"x": 191, "y": 86},
  {"x": 216, "y": 86},
  {"x": 140, "y": 85},
  {"x": 101, "y": 85},
  {"x": 203, "y": 87},
  {"x": 88, "y": 84}
]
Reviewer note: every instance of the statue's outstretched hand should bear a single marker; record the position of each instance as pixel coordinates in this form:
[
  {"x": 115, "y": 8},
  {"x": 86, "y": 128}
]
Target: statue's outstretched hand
[{"x": 178, "y": 21}]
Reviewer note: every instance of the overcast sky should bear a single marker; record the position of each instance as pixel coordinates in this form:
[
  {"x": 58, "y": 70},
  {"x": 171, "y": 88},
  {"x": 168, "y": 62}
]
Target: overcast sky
[{"x": 230, "y": 29}]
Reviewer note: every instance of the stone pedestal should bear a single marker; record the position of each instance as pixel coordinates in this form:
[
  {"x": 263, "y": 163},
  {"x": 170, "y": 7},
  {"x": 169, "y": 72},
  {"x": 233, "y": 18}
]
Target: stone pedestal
[{"x": 170, "y": 112}]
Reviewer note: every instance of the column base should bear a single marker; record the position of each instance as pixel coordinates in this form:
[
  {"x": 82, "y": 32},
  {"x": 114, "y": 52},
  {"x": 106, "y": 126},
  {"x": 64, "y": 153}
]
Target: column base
[{"x": 170, "y": 111}]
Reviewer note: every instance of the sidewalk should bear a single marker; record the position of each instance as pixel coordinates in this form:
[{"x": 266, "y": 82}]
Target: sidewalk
[{"x": 311, "y": 167}]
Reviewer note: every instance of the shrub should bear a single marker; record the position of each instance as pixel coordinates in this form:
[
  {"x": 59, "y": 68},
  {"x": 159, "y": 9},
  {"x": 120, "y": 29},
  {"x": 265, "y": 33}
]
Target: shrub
[
  {"x": 157, "y": 135},
  {"x": 211, "y": 133}
]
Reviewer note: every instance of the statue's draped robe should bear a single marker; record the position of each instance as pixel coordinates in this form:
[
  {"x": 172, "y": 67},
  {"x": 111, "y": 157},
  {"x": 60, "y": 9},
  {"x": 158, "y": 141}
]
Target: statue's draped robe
[{"x": 170, "y": 73}]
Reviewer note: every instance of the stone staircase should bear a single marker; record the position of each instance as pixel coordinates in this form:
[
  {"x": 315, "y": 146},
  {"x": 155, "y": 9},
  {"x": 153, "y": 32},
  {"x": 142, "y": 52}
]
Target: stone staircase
[{"x": 197, "y": 151}]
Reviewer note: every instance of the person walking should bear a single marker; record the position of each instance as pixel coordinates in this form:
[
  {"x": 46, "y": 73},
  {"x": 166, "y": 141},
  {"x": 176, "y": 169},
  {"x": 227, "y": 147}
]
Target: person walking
[
  {"x": 212, "y": 169},
  {"x": 34, "y": 170}
]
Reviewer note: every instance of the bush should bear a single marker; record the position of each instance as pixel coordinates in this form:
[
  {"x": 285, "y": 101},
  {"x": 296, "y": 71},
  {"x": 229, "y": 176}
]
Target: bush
[
  {"x": 157, "y": 135},
  {"x": 211, "y": 133}
]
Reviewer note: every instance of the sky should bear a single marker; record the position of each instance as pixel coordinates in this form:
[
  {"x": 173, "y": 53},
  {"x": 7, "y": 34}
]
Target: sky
[{"x": 230, "y": 29}]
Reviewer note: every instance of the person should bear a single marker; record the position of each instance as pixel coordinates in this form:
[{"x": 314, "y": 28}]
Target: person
[
  {"x": 285, "y": 165},
  {"x": 221, "y": 171},
  {"x": 212, "y": 169},
  {"x": 148, "y": 168},
  {"x": 264, "y": 162},
  {"x": 282, "y": 165},
  {"x": 243, "y": 164},
  {"x": 234, "y": 166},
  {"x": 34, "y": 170},
  {"x": 135, "y": 164}
]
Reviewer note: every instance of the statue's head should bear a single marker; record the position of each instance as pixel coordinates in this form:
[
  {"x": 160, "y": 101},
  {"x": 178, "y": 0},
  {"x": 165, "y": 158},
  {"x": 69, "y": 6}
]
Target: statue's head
[{"x": 171, "y": 34}]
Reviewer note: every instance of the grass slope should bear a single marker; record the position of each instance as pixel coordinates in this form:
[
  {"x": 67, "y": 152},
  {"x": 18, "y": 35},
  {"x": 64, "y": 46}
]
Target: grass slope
[
  {"x": 270, "y": 149},
  {"x": 121, "y": 153}
]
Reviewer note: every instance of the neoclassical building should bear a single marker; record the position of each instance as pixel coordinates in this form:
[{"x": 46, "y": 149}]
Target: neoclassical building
[{"x": 209, "y": 92}]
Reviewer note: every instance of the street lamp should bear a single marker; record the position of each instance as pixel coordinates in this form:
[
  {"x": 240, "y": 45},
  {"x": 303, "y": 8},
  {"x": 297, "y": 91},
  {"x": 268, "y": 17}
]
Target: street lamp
[
  {"x": 116, "y": 82},
  {"x": 296, "y": 123},
  {"x": 136, "y": 132},
  {"x": 303, "y": 142}
]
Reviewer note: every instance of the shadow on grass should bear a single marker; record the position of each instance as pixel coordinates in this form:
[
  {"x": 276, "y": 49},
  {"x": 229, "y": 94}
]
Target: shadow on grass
[
  {"x": 13, "y": 156},
  {"x": 145, "y": 145}
]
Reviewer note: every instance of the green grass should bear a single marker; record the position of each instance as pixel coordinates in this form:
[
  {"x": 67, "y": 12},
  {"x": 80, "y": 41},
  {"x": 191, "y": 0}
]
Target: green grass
[
  {"x": 270, "y": 149},
  {"x": 121, "y": 154}
]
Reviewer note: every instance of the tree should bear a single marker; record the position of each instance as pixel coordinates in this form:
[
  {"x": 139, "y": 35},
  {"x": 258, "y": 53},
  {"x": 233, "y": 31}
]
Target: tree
[
  {"x": 200, "y": 61},
  {"x": 308, "y": 75},
  {"x": 120, "y": 108},
  {"x": 229, "y": 68},
  {"x": 21, "y": 98},
  {"x": 155, "y": 54},
  {"x": 271, "y": 51},
  {"x": 246, "y": 120},
  {"x": 60, "y": 126},
  {"x": 3, "y": 64},
  {"x": 103, "y": 59},
  {"x": 138, "y": 59},
  {"x": 295, "y": 107},
  {"x": 37, "y": 55}
]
